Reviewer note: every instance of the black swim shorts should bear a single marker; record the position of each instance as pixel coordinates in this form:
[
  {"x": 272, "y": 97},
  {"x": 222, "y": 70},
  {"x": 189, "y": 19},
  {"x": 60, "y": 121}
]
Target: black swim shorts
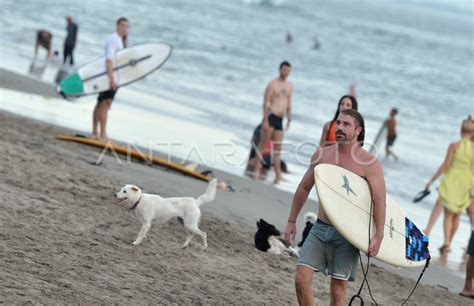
[
  {"x": 109, "y": 94},
  {"x": 275, "y": 122}
]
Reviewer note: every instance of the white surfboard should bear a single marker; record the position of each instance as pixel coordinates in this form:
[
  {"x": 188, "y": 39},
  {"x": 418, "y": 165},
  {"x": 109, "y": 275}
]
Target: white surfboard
[
  {"x": 346, "y": 199},
  {"x": 131, "y": 64},
  {"x": 378, "y": 146}
]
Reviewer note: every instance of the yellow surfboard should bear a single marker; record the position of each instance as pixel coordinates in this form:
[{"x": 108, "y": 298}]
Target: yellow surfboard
[{"x": 133, "y": 153}]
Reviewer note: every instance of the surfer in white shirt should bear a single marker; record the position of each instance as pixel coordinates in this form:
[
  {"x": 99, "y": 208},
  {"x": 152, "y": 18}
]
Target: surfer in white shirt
[{"x": 116, "y": 42}]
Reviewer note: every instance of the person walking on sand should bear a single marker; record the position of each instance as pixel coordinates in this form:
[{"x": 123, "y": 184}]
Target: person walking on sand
[
  {"x": 454, "y": 191},
  {"x": 325, "y": 249},
  {"x": 276, "y": 104},
  {"x": 70, "y": 41},
  {"x": 391, "y": 124},
  {"x": 328, "y": 136},
  {"x": 116, "y": 42}
]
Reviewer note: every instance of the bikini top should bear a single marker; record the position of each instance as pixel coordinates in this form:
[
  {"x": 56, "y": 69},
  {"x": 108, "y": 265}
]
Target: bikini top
[{"x": 332, "y": 133}]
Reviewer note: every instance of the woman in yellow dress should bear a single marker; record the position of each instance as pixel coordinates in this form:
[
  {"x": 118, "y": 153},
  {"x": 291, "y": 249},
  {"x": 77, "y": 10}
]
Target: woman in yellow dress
[{"x": 454, "y": 191}]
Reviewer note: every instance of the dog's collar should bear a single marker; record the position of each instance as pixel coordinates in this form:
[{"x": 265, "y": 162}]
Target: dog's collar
[{"x": 136, "y": 204}]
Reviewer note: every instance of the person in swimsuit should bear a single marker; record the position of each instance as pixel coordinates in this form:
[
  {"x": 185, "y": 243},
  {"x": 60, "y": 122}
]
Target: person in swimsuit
[
  {"x": 266, "y": 154},
  {"x": 43, "y": 39},
  {"x": 325, "y": 249},
  {"x": 70, "y": 41},
  {"x": 454, "y": 190},
  {"x": 276, "y": 104},
  {"x": 328, "y": 136},
  {"x": 391, "y": 124}
]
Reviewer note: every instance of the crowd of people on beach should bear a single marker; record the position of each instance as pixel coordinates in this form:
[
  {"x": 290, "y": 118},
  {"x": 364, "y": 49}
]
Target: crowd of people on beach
[{"x": 325, "y": 249}]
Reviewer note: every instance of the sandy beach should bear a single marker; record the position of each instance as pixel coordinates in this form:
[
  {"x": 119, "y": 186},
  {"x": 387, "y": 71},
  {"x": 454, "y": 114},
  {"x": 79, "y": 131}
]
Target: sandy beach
[{"x": 66, "y": 240}]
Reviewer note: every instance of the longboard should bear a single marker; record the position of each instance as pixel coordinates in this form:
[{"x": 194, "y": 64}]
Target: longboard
[{"x": 131, "y": 64}]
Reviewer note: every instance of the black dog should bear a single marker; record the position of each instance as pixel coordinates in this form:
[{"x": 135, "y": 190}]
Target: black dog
[{"x": 268, "y": 239}]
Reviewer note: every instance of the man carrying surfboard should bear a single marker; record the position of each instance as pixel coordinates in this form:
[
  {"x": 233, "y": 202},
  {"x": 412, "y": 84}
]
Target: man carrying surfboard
[
  {"x": 115, "y": 42},
  {"x": 325, "y": 249}
]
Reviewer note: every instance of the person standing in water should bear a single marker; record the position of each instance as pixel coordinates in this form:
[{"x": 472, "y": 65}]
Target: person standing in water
[
  {"x": 276, "y": 104},
  {"x": 391, "y": 124},
  {"x": 328, "y": 136},
  {"x": 454, "y": 191},
  {"x": 70, "y": 41},
  {"x": 43, "y": 39},
  {"x": 116, "y": 42}
]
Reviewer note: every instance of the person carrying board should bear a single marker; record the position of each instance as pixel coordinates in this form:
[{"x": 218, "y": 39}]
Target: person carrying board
[
  {"x": 116, "y": 42},
  {"x": 325, "y": 249}
]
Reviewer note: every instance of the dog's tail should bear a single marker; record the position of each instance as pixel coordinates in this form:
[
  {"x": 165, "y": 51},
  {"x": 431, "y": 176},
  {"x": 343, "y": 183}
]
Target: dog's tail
[
  {"x": 210, "y": 193},
  {"x": 310, "y": 217}
]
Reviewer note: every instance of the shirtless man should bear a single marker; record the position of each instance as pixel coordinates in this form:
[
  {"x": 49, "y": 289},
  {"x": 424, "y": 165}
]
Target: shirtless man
[
  {"x": 276, "y": 103},
  {"x": 325, "y": 249},
  {"x": 391, "y": 124}
]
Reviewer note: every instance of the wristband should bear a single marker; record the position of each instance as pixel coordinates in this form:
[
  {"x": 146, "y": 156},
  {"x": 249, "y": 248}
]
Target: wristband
[{"x": 291, "y": 221}]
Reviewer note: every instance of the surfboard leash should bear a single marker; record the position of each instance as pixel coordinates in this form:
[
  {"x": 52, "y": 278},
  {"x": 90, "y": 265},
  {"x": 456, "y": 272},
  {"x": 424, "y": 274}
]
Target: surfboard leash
[
  {"x": 365, "y": 271},
  {"x": 419, "y": 278}
]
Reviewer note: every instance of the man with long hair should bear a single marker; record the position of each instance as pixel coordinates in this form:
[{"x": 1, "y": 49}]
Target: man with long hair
[{"x": 325, "y": 249}]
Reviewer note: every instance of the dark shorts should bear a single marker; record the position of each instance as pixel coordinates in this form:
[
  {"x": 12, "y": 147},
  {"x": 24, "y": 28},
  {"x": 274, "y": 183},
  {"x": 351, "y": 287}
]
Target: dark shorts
[
  {"x": 109, "y": 94},
  {"x": 327, "y": 251},
  {"x": 470, "y": 247},
  {"x": 268, "y": 163},
  {"x": 391, "y": 140},
  {"x": 275, "y": 122}
]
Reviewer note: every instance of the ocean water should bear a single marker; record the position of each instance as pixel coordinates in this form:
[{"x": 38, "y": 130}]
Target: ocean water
[{"x": 413, "y": 55}]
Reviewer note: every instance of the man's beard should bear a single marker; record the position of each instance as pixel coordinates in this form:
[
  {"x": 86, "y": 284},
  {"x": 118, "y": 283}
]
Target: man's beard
[{"x": 342, "y": 137}]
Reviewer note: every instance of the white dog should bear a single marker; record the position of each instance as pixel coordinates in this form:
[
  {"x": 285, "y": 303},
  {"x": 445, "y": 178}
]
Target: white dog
[{"x": 149, "y": 207}]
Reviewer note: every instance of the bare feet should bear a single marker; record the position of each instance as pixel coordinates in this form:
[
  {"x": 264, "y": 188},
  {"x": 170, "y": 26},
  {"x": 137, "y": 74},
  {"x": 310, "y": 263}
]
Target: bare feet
[
  {"x": 104, "y": 138},
  {"x": 445, "y": 248},
  {"x": 279, "y": 179},
  {"x": 467, "y": 293},
  {"x": 94, "y": 136}
]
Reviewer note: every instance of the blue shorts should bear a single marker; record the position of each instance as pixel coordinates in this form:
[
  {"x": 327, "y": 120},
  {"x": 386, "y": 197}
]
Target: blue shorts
[
  {"x": 327, "y": 251},
  {"x": 391, "y": 141}
]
